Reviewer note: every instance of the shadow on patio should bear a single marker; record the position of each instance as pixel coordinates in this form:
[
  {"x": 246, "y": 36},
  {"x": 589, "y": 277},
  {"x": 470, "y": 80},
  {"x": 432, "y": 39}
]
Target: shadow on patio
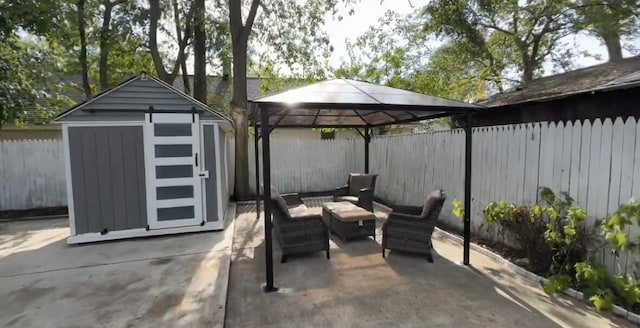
[
  {"x": 358, "y": 288},
  {"x": 165, "y": 281}
]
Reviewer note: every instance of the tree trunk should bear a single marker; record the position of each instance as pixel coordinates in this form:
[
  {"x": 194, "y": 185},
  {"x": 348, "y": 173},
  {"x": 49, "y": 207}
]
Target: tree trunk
[
  {"x": 182, "y": 42},
  {"x": 239, "y": 38},
  {"x": 83, "y": 50},
  {"x": 104, "y": 44},
  {"x": 527, "y": 73},
  {"x": 154, "y": 17},
  {"x": 614, "y": 49},
  {"x": 199, "y": 53},
  {"x": 241, "y": 121},
  {"x": 185, "y": 76},
  {"x": 226, "y": 66}
]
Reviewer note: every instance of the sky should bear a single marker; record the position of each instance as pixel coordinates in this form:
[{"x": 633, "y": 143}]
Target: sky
[{"x": 367, "y": 13}]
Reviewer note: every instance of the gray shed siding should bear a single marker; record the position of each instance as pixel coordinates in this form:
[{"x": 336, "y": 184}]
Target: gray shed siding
[
  {"x": 108, "y": 178},
  {"x": 136, "y": 95},
  {"x": 210, "y": 164}
]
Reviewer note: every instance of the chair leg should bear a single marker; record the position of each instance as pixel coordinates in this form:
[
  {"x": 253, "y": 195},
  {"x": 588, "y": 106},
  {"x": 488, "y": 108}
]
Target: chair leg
[
  {"x": 383, "y": 255},
  {"x": 328, "y": 255},
  {"x": 283, "y": 259},
  {"x": 429, "y": 258}
]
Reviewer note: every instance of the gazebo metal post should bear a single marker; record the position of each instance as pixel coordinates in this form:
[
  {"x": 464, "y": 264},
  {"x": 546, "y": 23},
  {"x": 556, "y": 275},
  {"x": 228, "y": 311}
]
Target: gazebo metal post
[
  {"x": 266, "y": 192},
  {"x": 467, "y": 188},
  {"x": 256, "y": 138},
  {"x": 367, "y": 140}
]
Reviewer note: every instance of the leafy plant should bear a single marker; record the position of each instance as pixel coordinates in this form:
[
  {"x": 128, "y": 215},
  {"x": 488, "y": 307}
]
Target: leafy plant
[
  {"x": 524, "y": 225},
  {"x": 458, "y": 211},
  {"x": 556, "y": 284},
  {"x": 566, "y": 233},
  {"x": 602, "y": 288},
  {"x": 614, "y": 227}
]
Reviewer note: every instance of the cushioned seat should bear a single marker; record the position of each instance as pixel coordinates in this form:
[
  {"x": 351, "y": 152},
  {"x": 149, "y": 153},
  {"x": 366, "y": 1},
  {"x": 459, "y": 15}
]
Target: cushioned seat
[
  {"x": 350, "y": 199},
  {"x": 410, "y": 229},
  {"x": 359, "y": 190},
  {"x": 297, "y": 228}
]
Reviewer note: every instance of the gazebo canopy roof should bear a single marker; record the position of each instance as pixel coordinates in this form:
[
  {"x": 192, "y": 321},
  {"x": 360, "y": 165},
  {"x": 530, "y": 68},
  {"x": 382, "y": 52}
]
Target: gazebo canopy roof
[{"x": 353, "y": 104}]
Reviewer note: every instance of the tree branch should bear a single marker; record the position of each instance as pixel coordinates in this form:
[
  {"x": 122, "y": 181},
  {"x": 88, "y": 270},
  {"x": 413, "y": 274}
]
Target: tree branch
[{"x": 253, "y": 11}]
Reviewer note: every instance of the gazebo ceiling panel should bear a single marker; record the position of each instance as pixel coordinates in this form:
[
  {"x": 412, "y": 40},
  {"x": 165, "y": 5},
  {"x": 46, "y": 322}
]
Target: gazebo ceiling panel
[{"x": 349, "y": 103}]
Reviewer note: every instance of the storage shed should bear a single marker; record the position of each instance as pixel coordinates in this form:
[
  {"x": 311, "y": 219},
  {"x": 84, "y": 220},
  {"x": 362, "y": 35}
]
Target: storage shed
[{"x": 144, "y": 159}]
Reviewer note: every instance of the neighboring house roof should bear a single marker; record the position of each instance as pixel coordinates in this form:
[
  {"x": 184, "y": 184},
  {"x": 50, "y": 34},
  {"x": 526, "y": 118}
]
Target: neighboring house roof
[
  {"x": 219, "y": 85},
  {"x": 143, "y": 77},
  {"x": 603, "y": 77}
]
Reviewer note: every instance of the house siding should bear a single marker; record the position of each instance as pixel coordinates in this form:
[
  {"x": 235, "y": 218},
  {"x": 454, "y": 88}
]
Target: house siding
[
  {"x": 108, "y": 178},
  {"x": 210, "y": 164},
  {"x": 135, "y": 96}
]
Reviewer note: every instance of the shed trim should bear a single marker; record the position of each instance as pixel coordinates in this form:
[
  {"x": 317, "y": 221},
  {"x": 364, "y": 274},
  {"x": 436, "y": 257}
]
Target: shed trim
[
  {"x": 141, "y": 232},
  {"x": 69, "y": 183},
  {"x": 216, "y": 133},
  {"x": 203, "y": 184},
  {"x": 102, "y": 123}
]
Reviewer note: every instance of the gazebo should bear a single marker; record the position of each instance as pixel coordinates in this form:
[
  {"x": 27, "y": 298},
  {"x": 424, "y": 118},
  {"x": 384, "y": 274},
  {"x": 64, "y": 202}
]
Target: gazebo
[{"x": 343, "y": 103}]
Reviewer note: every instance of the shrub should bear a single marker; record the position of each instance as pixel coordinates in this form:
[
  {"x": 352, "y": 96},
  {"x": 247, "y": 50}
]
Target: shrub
[
  {"x": 526, "y": 227},
  {"x": 600, "y": 286}
]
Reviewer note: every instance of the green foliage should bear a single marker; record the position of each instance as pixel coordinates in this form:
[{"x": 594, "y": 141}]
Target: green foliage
[
  {"x": 458, "y": 210},
  {"x": 28, "y": 83},
  {"x": 602, "y": 300},
  {"x": 526, "y": 226},
  {"x": 503, "y": 34},
  {"x": 610, "y": 20},
  {"x": 394, "y": 52},
  {"x": 551, "y": 234},
  {"x": 614, "y": 228},
  {"x": 557, "y": 284},
  {"x": 600, "y": 286}
]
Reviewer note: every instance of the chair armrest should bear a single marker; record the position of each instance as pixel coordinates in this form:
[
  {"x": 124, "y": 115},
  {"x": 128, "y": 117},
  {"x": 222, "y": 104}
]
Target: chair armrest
[
  {"x": 394, "y": 216},
  {"x": 340, "y": 191},
  {"x": 407, "y": 221},
  {"x": 365, "y": 199},
  {"x": 292, "y": 199},
  {"x": 411, "y": 210}
]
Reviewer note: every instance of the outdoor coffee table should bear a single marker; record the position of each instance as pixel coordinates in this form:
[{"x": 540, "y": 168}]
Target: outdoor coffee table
[{"x": 348, "y": 221}]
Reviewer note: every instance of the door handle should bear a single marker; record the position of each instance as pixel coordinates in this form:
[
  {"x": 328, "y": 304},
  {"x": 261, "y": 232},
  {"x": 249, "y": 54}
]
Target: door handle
[{"x": 196, "y": 159}]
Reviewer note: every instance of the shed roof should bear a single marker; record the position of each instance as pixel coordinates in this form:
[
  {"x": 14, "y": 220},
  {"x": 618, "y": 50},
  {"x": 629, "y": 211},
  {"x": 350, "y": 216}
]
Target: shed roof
[
  {"x": 350, "y": 103},
  {"x": 176, "y": 98},
  {"x": 603, "y": 77}
]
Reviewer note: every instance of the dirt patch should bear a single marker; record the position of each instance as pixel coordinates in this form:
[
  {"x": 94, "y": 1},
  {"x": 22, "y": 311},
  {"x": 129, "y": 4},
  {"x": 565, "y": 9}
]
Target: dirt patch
[
  {"x": 161, "y": 261},
  {"x": 29, "y": 295},
  {"x": 163, "y": 303}
]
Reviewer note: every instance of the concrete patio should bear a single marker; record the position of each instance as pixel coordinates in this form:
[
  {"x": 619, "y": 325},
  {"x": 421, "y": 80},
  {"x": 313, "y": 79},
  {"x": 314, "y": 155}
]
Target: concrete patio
[
  {"x": 172, "y": 281},
  {"x": 358, "y": 288},
  {"x": 214, "y": 279}
]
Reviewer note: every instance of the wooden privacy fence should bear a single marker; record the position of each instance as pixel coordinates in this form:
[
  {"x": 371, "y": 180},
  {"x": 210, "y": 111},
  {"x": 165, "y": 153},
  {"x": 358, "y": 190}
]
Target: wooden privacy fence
[
  {"x": 32, "y": 174},
  {"x": 300, "y": 165},
  {"x": 597, "y": 163}
]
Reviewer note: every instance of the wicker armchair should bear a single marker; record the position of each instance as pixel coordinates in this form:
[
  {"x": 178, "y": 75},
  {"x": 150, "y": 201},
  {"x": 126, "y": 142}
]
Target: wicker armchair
[
  {"x": 410, "y": 228},
  {"x": 359, "y": 190},
  {"x": 297, "y": 229}
]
